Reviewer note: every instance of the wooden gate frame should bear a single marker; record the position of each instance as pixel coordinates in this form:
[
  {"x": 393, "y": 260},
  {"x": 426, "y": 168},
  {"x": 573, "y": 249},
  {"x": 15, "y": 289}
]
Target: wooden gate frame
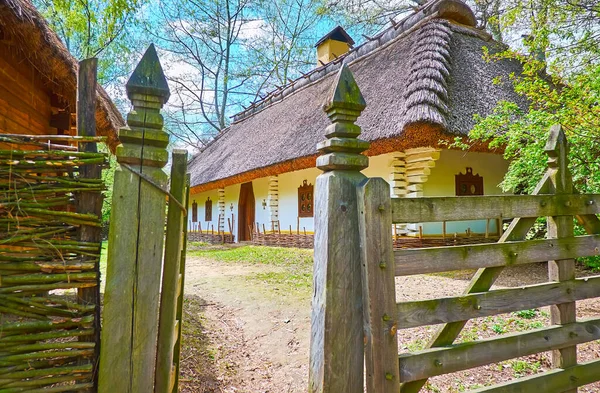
[
  {"x": 554, "y": 198},
  {"x": 355, "y": 268}
]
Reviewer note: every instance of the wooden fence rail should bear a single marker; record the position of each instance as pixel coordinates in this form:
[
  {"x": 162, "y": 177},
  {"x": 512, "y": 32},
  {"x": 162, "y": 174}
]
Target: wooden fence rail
[
  {"x": 561, "y": 293},
  {"x": 337, "y": 346}
]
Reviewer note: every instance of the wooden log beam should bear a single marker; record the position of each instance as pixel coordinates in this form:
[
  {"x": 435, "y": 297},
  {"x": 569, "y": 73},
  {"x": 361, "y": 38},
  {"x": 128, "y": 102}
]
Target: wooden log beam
[
  {"x": 482, "y": 281},
  {"x": 434, "y": 209},
  {"x": 475, "y": 256},
  {"x": 438, "y": 361},
  {"x": 476, "y": 305},
  {"x": 89, "y": 202}
]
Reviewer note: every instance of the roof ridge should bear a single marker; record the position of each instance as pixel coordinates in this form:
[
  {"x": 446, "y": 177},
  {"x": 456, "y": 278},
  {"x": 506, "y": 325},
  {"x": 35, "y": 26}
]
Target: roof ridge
[{"x": 436, "y": 9}]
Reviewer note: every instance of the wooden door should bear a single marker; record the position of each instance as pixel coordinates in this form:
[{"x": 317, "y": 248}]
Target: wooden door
[{"x": 245, "y": 212}]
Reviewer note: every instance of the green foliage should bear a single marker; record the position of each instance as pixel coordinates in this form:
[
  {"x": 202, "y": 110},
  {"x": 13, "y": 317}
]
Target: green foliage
[
  {"x": 561, "y": 83},
  {"x": 98, "y": 28},
  {"x": 108, "y": 176},
  {"x": 88, "y": 27},
  {"x": 592, "y": 262},
  {"x": 527, "y": 314},
  {"x": 522, "y": 367}
]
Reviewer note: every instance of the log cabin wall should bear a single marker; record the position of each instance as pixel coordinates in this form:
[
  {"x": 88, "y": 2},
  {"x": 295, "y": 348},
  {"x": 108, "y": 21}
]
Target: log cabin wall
[{"x": 25, "y": 103}]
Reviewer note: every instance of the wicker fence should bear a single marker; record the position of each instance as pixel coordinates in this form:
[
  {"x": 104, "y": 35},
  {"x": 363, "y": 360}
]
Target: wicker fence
[{"x": 47, "y": 334}]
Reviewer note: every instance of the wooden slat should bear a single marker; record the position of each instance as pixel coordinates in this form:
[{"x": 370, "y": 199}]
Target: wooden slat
[
  {"x": 435, "y": 209},
  {"x": 167, "y": 328},
  {"x": 481, "y": 282},
  {"x": 561, "y": 269},
  {"x": 379, "y": 287},
  {"x": 442, "y": 259},
  {"x": 438, "y": 361},
  {"x": 462, "y": 308},
  {"x": 555, "y": 381}
]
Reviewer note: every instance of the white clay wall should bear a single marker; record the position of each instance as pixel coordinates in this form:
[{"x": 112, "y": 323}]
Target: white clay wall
[
  {"x": 440, "y": 183},
  {"x": 232, "y": 194}
]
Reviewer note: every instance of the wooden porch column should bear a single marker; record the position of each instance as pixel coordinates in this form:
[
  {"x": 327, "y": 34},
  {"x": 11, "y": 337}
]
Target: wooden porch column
[
  {"x": 419, "y": 162},
  {"x": 130, "y": 317},
  {"x": 221, "y": 205},
  {"x": 336, "y": 349},
  {"x": 273, "y": 202}
]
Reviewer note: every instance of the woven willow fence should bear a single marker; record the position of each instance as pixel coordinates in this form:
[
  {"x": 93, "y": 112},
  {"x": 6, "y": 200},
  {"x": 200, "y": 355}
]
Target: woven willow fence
[{"x": 44, "y": 329}]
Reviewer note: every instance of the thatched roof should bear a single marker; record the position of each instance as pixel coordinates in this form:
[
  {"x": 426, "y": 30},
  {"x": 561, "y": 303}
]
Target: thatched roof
[
  {"x": 46, "y": 52},
  {"x": 423, "y": 80}
]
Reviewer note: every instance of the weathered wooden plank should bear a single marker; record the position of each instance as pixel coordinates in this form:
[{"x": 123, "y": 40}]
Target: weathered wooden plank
[
  {"x": 481, "y": 282},
  {"x": 474, "y": 256},
  {"x": 561, "y": 270},
  {"x": 590, "y": 222},
  {"x": 476, "y": 305},
  {"x": 434, "y": 209},
  {"x": 438, "y": 361},
  {"x": 89, "y": 202},
  {"x": 179, "y": 316},
  {"x": 170, "y": 276},
  {"x": 379, "y": 287},
  {"x": 555, "y": 381}
]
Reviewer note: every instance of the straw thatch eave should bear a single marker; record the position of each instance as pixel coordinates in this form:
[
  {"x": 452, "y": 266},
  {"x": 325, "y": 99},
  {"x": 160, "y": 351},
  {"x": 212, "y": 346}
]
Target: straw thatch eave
[
  {"x": 39, "y": 44},
  {"x": 415, "y": 135}
]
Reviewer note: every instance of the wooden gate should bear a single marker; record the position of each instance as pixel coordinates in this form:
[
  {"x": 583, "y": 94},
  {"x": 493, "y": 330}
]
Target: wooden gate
[{"x": 554, "y": 198}]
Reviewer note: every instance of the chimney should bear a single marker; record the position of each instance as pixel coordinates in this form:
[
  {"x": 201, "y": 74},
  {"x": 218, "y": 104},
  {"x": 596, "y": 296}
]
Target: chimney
[{"x": 334, "y": 44}]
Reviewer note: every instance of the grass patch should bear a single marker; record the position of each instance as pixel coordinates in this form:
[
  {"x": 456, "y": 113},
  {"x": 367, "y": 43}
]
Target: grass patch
[
  {"x": 261, "y": 255},
  {"x": 290, "y": 280},
  {"x": 284, "y": 268}
]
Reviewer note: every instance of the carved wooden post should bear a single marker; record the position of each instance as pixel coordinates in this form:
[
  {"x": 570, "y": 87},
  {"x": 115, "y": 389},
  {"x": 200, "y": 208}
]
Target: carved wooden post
[
  {"x": 336, "y": 353},
  {"x": 130, "y": 323},
  {"x": 559, "y": 227}
]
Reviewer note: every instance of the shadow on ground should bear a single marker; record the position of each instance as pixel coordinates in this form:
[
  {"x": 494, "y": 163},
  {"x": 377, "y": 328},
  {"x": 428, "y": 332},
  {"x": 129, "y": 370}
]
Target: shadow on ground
[{"x": 198, "y": 370}]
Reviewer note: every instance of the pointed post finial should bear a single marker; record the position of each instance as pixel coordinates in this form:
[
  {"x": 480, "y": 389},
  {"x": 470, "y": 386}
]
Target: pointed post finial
[
  {"x": 144, "y": 141},
  {"x": 345, "y": 92},
  {"x": 342, "y": 148},
  {"x": 556, "y": 146},
  {"x": 557, "y": 150},
  {"x": 148, "y": 77}
]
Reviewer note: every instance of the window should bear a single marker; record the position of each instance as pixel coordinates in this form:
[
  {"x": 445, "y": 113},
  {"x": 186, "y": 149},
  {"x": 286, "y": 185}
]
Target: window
[
  {"x": 468, "y": 183},
  {"x": 194, "y": 212},
  {"x": 208, "y": 210},
  {"x": 305, "y": 200}
]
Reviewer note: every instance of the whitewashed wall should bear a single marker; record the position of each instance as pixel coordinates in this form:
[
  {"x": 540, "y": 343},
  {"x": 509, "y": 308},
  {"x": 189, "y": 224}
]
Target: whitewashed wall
[
  {"x": 232, "y": 195},
  {"x": 440, "y": 183}
]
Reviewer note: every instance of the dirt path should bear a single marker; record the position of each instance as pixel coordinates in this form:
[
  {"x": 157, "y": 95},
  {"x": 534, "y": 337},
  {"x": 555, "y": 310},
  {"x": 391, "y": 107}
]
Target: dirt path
[
  {"x": 263, "y": 332},
  {"x": 259, "y": 332}
]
